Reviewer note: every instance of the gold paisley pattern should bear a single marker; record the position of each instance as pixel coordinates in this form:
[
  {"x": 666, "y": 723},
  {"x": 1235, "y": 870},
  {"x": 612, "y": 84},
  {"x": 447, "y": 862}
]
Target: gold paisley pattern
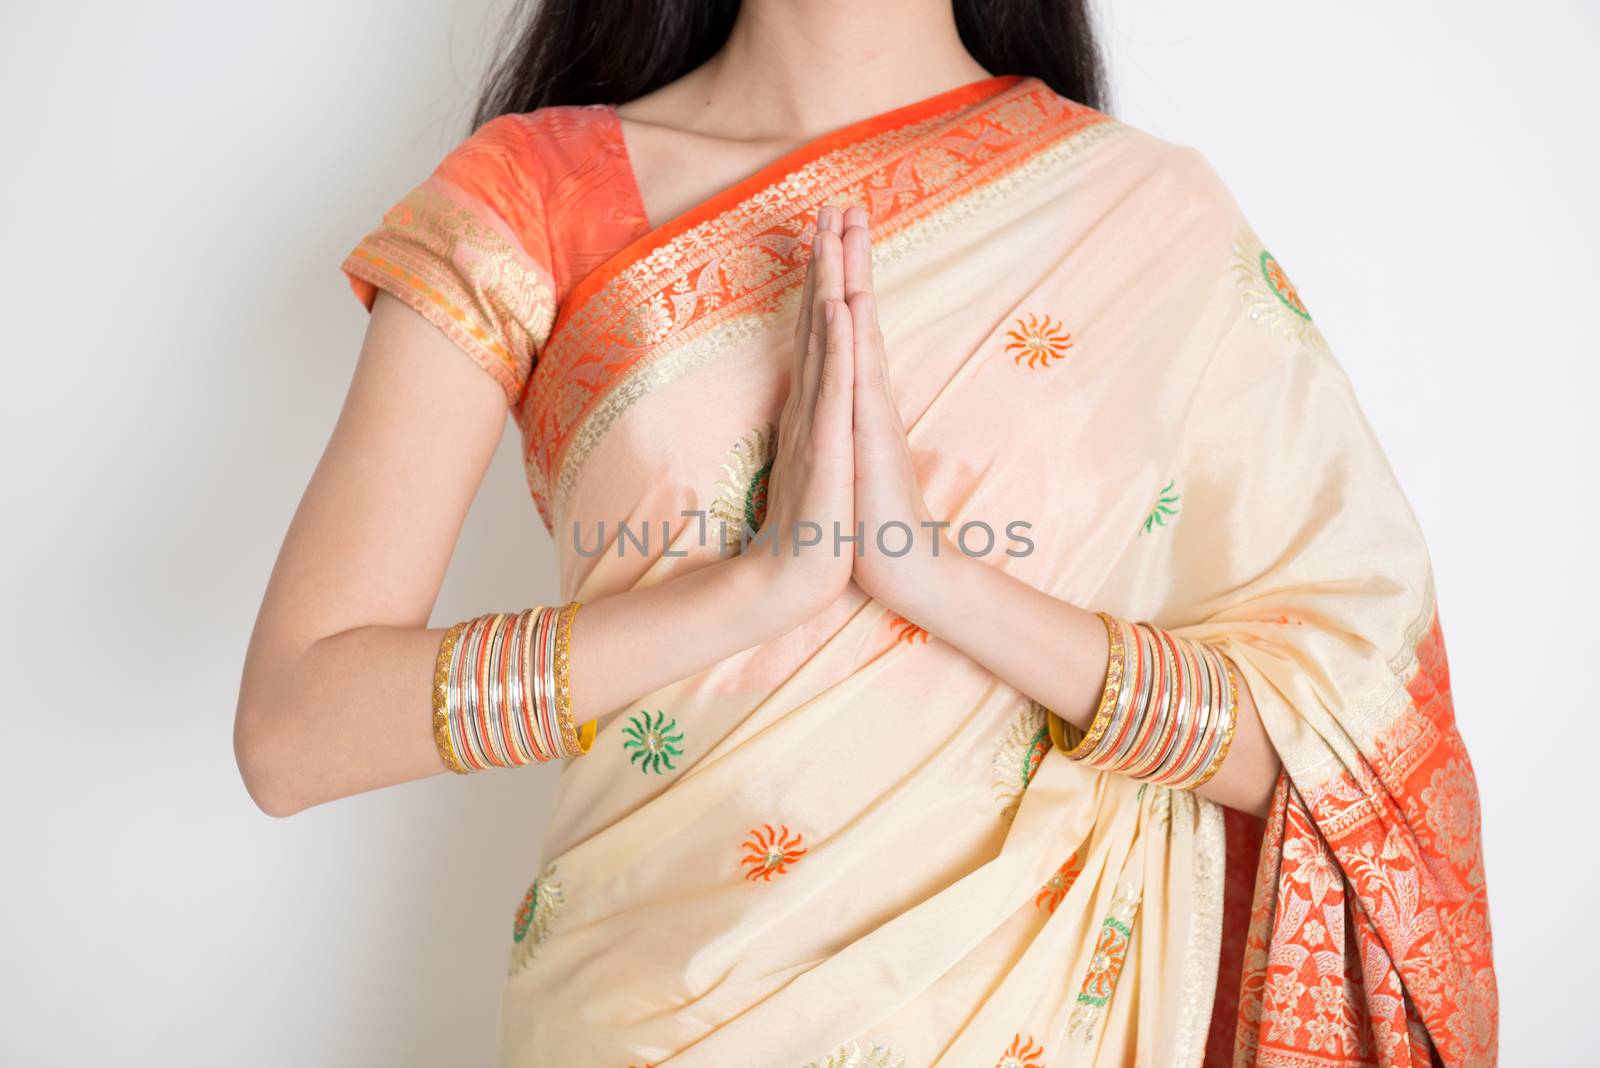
[
  {"x": 536, "y": 918},
  {"x": 859, "y": 1055},
  {"x": 741, "y": 500},
  {"x": 1016, "y": 759}
]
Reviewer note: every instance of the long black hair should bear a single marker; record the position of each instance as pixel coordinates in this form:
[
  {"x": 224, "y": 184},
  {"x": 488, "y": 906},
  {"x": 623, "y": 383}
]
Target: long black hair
[{"x": 613, "y": 51}]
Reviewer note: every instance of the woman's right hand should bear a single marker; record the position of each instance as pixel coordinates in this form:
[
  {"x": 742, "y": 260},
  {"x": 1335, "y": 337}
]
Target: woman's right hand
[{"x": 811, "y": 493}]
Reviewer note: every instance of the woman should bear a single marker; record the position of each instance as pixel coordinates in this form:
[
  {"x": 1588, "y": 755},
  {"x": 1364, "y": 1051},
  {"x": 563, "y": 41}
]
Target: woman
[{"x": 1119, "y": 734}]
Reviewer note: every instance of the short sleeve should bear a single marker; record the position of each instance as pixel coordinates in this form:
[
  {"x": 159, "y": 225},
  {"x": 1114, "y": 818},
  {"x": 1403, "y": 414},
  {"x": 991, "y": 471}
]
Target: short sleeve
[{"x": 468, "y": 249}]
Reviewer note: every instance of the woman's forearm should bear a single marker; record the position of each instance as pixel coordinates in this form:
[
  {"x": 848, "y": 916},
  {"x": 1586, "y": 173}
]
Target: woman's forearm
[
  {"x": 629, "y": 644},
  {"x": 353, "y": 711},
  {"x": 1056, "y": 653}
]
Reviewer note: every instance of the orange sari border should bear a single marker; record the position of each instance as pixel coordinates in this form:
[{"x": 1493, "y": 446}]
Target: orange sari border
[
  {"x": 1369, "y": 939},
  {"x": 741, "y": 252}
]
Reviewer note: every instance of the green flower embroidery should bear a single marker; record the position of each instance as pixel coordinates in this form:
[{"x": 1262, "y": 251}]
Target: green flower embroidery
[
  {"x": 654, "y": 741},
  {"x": 1166, "y": 505}
]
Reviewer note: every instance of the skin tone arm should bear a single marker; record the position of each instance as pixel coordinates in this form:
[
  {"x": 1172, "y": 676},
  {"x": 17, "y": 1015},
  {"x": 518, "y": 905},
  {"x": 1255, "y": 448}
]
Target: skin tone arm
[
  {"x": 1051, "y": 650},
  {"x": 335, "y": 697}
]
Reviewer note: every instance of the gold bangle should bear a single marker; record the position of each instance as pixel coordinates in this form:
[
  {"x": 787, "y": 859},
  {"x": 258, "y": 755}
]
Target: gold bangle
[
  {"x": 441, "y": 693},
  {"x": 576, "y": 741},
  {"x": 1108, "y": 692},
  {"x": 1227, "y": 730}
]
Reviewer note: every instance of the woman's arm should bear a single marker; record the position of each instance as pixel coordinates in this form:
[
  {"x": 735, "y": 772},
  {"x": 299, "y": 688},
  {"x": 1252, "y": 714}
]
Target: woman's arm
[
  {"x": 1052, "y": 651},
  {"x": 336, "y": 692},
  {"x": 1055, "y": 652}
]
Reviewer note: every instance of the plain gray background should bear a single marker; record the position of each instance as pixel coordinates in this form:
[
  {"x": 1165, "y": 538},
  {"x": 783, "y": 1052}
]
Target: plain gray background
[{"x": 182, "y": 180}]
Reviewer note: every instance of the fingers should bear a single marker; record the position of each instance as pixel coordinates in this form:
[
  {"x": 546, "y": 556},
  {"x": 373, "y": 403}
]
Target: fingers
[
  {"x": 834, "y": 409},
  {"x": 803, "y": 319},
  {"x": 877, "y": 417},
  {"x": 857, "y": 253},
  {"x": 829, "y": 285}
]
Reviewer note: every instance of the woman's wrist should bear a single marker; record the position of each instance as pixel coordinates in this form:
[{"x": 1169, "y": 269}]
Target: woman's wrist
[
  {"x": 768, "y": 595},
  {"x": 936, "y": 588}
]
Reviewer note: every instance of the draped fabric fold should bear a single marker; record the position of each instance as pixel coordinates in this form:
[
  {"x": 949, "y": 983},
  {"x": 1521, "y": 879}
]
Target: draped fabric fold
[{"x": 854, "y": 847}]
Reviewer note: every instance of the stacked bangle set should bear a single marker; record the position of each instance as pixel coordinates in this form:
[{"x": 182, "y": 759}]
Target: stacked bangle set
[
  {"x": 500, "y": 691},
  {"x": 1167, "y": 710}
]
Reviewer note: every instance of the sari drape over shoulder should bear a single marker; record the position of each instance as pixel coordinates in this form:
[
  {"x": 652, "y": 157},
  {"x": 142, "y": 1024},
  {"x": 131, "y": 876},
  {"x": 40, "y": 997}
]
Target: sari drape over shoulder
[{"x": 853, "y": 846}]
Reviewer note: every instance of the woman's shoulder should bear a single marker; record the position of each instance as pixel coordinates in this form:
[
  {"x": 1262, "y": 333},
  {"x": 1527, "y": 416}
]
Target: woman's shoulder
[
  {"x": 527, "y": 148},
  {"x": 560, "y": 176}
]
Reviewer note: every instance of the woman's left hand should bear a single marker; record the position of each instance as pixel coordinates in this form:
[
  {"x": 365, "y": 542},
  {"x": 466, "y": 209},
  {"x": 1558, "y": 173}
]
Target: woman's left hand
[{"x": 890, "y": 512}]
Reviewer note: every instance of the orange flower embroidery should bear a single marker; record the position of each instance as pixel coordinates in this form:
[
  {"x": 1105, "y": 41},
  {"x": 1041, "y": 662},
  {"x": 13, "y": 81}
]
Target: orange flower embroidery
[
  {"x": 907, "y": 631},
  {"x": 1038, "y": 340},
  {"x": 1055, "y": 891},
  {"x": 1024, "y": 1053},
  {"x": 1110, "y": 952},
  {"x": 769, "y": 852}
]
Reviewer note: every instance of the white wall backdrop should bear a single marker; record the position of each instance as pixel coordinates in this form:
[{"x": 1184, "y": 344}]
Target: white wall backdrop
[{"x": 182, "y": 181}]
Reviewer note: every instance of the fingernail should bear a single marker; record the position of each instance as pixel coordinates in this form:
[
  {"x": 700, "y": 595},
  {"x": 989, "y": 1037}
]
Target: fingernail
[
  {"x": 824, "y": 218},
  {"x": 827, "y": 310}
]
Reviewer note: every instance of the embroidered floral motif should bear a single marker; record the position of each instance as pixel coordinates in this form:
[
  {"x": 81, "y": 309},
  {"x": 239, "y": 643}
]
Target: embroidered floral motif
[
  {"x": 859, "y": 1055},
  {"x": 1022, "y": 747},
  {"x": 741, "y": 502},
  {"x": 1055, "y": 890},
  {"x": 1022, "y": 1053},
  {"x": 1270, "y": 298},
  {"x": 1165, "y": 507},
  {"x": 654, "y": 741},
  {"x": 1110, "y": 954},
  {"x": 907, "y": 631},
  {"x": 769, "y": 852},
  {"x": 1038, "y": 339},
  {"x": 1018, "y": 116},
  {"x": 936, "y": 167},
  {"x": 1451, "y": 803},
  {"x": 749, "y": 266},
  {"x": 536, "y": 916}
]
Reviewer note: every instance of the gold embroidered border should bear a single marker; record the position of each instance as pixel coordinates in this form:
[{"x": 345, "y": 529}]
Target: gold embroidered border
[
  {"x": 731, "y": 325},
  {"x": 1197, "y": 983},
  {"x": 463, "y": 275},
  {"x": 709, "y": 275}
]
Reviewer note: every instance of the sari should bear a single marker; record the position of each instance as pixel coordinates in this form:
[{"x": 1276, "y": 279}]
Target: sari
[{"x": 852, "y": 846}]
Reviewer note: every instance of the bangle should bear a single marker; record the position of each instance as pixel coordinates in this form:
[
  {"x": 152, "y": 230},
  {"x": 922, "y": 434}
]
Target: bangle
[
  {"x": 1230, "y": 721},
  {"x": 1143, "y": 667},
  {"x": 502, "y": 691},
  {"x": 577, "y": 742},
  {"x": 441, "y": 694},
  {"x": 1110, "y": 691},
  {"x": 1167, "y": 711}
]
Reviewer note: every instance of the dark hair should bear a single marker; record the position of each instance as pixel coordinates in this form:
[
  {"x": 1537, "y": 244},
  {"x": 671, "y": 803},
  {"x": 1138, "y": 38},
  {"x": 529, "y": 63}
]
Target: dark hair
[{"x": 613, "y": 51}]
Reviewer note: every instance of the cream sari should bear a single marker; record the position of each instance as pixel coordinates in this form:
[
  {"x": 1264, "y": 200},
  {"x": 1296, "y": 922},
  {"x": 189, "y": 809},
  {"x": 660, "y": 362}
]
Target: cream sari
[{"x": 853, "y": 846}]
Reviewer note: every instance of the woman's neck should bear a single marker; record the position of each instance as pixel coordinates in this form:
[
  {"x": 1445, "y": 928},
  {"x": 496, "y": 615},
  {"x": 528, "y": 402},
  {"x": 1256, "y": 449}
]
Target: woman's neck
[{"x": 794, "y": 69}]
